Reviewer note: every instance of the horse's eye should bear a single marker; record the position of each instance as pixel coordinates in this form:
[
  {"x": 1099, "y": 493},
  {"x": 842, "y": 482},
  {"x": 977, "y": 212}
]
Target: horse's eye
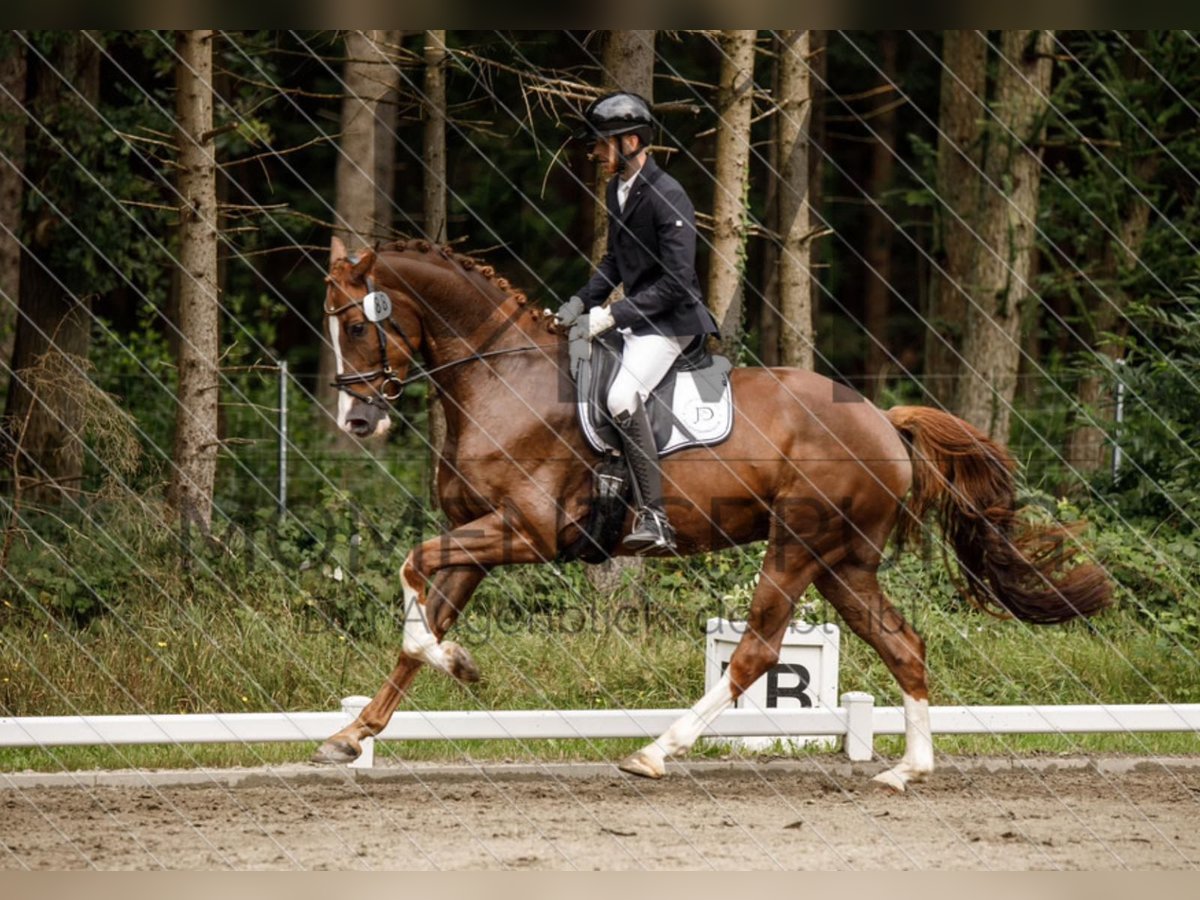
[{"x": 357, "y": 330}]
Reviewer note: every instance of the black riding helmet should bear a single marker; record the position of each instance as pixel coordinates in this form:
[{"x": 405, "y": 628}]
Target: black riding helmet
[{"x": 621, "y": 112}]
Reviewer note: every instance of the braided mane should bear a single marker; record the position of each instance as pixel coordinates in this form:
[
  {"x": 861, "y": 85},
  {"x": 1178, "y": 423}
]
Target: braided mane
[{"x": 462, "y": 260}]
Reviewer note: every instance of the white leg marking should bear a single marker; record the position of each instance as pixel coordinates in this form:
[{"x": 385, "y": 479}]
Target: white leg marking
[
  {"x": 918, "y": 739},
  {"x": 917, "y": 761},
  {"x": 343, "y": 399},
  {"x": 680, "y": 737},
  {"x": 419, "y": 642}
]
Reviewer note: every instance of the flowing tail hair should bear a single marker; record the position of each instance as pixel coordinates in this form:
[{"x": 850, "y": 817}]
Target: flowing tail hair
[{"x": 966, "y": 479}]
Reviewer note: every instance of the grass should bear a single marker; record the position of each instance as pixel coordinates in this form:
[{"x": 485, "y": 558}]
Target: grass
[
  {"x": 238, "y": 659},
  {"x": 225, "y": 637}
]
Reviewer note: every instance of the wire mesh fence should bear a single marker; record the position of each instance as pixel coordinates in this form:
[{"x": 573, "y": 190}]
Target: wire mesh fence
[{"x": 292, "y": 601}]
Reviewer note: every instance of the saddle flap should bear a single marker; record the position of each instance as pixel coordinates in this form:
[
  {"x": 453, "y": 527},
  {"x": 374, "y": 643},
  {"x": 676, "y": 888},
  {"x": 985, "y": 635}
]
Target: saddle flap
[{"x": 692, "y": 406}]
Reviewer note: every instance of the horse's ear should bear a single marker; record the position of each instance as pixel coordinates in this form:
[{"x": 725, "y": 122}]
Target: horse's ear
[
  {"x": 337, "y": 250},
  {"x": 366, "y": 259}
]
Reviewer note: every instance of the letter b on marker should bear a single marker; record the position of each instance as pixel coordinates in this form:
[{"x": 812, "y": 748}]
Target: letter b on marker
[{"x": 799, "y": 678}]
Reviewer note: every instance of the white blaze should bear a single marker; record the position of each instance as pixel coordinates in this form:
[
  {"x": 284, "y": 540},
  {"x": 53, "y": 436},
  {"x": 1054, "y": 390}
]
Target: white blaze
[{"x": 343, "y": 400}]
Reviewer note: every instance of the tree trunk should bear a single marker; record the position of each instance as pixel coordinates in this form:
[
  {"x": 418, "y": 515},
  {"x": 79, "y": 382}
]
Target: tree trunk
[
  {"x": 54, "y": 317},
  {"x": 628, "y": 62},
  {"x": 435, "y": 209},
  {"x": 818, "y": 255},
  {"x": 727, "y": 265},
  {"x": 795, "y": 226},
  {"x": 879, "y": 230},
  {"x": 369, "y": 78},
  {"x": 1007, "y": 211},
  {"x": 385, "y": 137},
  {"x": 1087, "y": 445},
  {"x": 196, "y": 441},
  {"x": 769, "y": 321},
  {"x": 12, "y": 188},
  {"x": 959, "y": 163},
  {"x": 818, "y": 42},
  {"x": 435, "y": 136}
]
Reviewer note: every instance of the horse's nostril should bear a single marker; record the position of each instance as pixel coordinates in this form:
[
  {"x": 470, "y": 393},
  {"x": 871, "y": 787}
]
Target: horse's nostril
[{"x": 360, "y": 427}]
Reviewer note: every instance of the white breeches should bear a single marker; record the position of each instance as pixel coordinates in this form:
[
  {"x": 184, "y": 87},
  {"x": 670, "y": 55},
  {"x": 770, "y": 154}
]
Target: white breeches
[{"x": 645, "y": 361}]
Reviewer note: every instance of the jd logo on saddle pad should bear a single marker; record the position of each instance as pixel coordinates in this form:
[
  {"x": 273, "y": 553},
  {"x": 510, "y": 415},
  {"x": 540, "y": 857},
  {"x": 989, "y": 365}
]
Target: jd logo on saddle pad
[{"x": 692, "y": 407}]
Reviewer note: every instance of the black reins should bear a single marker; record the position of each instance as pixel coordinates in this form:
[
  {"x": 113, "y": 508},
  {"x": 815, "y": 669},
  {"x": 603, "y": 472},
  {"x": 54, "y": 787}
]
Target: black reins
[{"x": 393, "y": 386}]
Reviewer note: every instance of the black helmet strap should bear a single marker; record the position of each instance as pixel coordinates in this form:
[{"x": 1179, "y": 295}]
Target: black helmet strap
[{"x": 626, "y": 159}]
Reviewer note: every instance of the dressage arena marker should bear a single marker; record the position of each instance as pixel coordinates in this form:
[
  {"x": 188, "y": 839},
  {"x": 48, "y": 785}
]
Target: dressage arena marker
[
  {"x": 857, "y": 721},
  {"x": 805, "y": 677}
]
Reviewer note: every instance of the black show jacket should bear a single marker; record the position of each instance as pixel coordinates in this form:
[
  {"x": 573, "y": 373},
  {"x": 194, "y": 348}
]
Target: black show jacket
[{"x": 652, "y": 252}]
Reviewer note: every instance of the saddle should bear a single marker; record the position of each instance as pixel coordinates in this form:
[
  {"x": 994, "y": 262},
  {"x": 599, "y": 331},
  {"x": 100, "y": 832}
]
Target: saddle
[{"x": 691, "y": 407}]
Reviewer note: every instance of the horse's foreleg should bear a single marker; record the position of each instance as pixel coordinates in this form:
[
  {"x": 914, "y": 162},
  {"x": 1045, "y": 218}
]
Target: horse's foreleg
[
  {"x": 490, "y": 541},
  {"x": 856, "y": 595},
  {"x": 422, "y": 638},
  {"x": 346, "y": 745},
  {"x": 450, "y": 592},
  {"x": 756, "y": 652}
]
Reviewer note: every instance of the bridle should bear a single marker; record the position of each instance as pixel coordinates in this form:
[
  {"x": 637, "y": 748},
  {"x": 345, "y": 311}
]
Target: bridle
[{"x": 393, "y": 385}]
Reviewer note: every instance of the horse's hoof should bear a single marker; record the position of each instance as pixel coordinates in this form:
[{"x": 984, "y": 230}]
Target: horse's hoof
[
  {"x": 336, "y": 753},
  {"x": 461, "y": 665},
  {"x": 642, "y": 764},
  {"x": 889, "y": 781}
]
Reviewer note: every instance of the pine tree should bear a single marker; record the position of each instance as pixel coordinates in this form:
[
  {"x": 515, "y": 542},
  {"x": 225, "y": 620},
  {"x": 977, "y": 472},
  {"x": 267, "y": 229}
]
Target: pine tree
[
  {"x": 1007, "y": 209},
  {"x": 795, "y": 226},
  {"x": 196, "y": 440},
  {"x": 735, "y": 98}
]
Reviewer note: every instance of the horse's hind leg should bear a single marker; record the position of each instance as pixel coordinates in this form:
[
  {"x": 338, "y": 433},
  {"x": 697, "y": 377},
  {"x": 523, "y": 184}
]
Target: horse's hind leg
[
  {"x": 855, "y": 593},
  {"x": 756, "y": 652},
  {"x": 452, "y": 588}
]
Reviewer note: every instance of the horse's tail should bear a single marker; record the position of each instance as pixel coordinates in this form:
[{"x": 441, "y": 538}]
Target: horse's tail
[{"x": 967, "y": 479}]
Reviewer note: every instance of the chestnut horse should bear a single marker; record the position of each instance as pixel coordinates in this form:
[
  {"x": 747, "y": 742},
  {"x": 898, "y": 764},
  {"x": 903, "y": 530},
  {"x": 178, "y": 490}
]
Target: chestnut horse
[{"x": 811, "y": 467}]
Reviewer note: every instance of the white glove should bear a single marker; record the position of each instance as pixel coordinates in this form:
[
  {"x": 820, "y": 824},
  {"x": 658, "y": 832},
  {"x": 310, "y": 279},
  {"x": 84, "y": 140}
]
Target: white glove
[{"x": 600, "y": 320}]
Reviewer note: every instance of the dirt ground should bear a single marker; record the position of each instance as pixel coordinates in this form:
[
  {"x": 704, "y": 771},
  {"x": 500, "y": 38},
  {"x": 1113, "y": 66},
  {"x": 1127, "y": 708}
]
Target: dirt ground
[{"x": 748, "y": 816}]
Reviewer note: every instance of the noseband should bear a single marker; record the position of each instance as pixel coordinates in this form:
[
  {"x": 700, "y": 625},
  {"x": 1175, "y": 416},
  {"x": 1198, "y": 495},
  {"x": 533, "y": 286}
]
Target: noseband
[{"x": 393, "y": 386}]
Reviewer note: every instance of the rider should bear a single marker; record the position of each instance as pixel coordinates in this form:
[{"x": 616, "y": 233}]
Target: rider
[{"x": 652, "y": 253}]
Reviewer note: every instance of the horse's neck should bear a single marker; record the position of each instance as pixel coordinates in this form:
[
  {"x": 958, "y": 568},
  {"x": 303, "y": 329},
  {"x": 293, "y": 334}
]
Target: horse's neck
[
  {"x": 461, "y": 314},
  {"x": 503, "y": 327},
  {"x": 465, "y": 316}
]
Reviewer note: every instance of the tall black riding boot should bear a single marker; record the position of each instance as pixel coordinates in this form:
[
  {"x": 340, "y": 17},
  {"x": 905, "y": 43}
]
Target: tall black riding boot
[{"x": 651, "y": 529}]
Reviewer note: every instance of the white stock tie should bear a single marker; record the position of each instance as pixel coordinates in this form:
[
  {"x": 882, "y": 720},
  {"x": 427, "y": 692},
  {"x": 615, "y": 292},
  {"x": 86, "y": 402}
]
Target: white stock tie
[{"x": 623, "y": 189}]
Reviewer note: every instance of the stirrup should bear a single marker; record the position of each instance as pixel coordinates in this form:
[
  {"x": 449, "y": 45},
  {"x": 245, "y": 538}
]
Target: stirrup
[{"x": 651, "y": 532}]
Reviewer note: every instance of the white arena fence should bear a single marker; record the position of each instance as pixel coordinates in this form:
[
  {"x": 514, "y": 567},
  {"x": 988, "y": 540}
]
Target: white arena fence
[{"x": 856, "y": 722}]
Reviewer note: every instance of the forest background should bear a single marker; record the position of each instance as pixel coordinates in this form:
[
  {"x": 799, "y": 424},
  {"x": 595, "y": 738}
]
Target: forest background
[{"x": 1002, "y": 224}]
